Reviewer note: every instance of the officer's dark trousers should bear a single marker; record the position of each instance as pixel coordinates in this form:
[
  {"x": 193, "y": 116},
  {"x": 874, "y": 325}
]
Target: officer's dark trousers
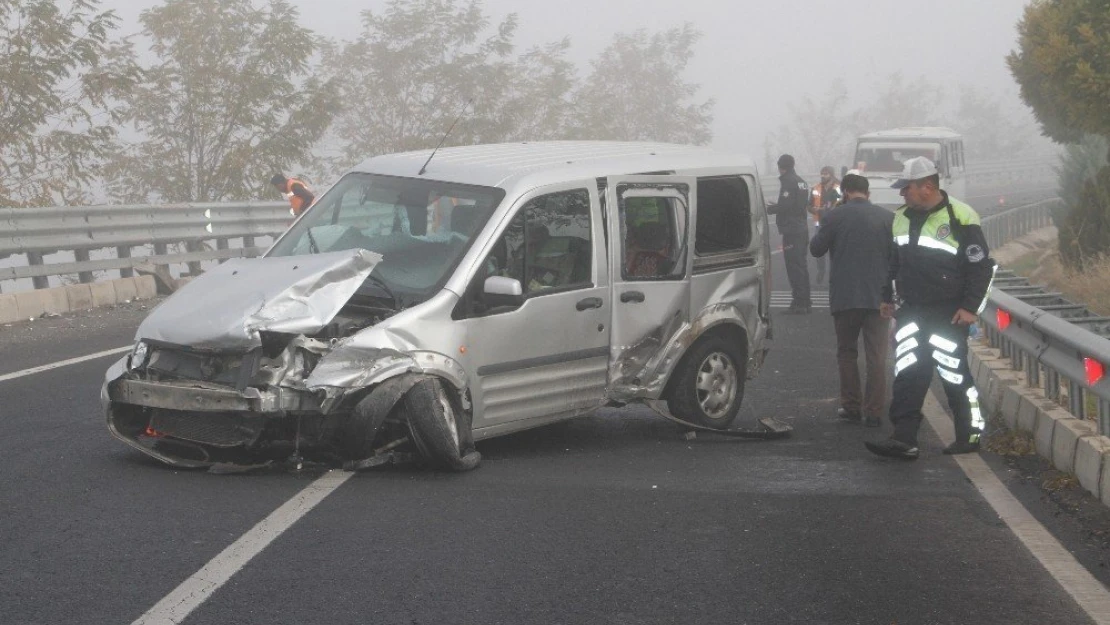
[
  {"x": 926, "y": 341},
  {"x": 795, "y": 252}
]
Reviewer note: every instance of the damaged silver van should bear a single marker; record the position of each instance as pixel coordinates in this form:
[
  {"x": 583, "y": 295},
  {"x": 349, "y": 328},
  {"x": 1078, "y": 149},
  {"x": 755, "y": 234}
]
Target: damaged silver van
[{"x": 420, "y": 306}]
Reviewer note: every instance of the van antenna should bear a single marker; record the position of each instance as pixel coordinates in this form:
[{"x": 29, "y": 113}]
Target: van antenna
[{"x": 445, "y": 135}]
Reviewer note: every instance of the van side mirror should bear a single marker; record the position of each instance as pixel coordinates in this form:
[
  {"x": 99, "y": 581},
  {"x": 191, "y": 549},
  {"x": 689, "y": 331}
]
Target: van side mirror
[{"x": 499, "y": 291}]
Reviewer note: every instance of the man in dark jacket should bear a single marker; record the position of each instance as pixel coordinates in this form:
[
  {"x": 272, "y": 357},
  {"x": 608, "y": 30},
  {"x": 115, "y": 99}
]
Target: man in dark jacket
[
  {"x": 943, "y": 271},
  {"x": 858, "y": 235},
  {"x": 791, "y": 217}
]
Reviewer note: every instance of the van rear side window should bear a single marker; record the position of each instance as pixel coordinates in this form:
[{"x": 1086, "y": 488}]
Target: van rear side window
[{"x": 724, "y": 215}]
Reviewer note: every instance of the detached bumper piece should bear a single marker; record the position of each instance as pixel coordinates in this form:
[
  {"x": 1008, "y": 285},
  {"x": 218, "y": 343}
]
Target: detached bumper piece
[{"x": 770, "y": 428}]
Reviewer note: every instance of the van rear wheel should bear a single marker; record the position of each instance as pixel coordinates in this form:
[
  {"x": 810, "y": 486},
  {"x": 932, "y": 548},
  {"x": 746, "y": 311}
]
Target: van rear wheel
[{"x": 708, "y": 385}]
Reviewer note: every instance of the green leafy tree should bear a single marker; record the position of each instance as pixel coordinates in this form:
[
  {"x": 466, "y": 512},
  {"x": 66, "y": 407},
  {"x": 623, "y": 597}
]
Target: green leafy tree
[
  {"x": 232, "y": 99},
  {"x": 636, "y": 91},
  {"x": 1079, "y": 229},
  {"x": 61, "y": 70},
  {"x": 1063, "y": 68}
]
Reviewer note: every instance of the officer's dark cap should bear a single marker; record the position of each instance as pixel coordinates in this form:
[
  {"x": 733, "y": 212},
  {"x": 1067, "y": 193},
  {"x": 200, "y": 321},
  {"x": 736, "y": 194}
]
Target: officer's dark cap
[{"x": 786, "y": 162}]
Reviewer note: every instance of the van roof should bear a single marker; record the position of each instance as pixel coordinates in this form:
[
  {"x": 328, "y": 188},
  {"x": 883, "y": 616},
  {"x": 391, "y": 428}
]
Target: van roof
[
  {"x": 913, "y": 132},
  {"x": 547, "y": 162}
]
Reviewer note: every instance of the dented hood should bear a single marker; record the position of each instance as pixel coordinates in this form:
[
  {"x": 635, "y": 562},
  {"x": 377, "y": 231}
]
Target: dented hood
[{"x": 227, "y": 307}]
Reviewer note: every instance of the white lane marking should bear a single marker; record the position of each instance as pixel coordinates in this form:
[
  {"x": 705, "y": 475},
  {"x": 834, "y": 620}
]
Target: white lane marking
[
  {"x": 181, "y": 602},
  {"x": 63, "y": 363},
  {"x": 1087, "y": 591}
]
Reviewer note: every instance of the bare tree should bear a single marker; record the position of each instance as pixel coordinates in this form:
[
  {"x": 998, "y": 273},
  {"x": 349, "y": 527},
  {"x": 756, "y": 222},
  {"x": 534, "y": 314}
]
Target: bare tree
[
  {"x": 232, "y": 99},
  {"x": 636, "y": 91}
]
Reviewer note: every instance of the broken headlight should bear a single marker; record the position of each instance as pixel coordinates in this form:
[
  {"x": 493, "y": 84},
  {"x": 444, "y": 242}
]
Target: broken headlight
[{"x": 139, "y": 355}]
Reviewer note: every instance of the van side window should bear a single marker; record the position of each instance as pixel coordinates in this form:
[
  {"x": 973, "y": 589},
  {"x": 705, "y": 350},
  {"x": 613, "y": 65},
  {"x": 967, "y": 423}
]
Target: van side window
[
  {"x": 547, "y": 245},
  {"x": 724, "y": 215},
  {"x": 653, "y": 229}
]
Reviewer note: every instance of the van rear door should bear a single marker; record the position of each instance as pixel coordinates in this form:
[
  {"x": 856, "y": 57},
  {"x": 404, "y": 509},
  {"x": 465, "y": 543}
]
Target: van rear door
[{"x": 651, "y": 228}]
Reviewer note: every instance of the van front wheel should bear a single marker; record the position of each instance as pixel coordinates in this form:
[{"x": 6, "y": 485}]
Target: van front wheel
[{"x": 708, "y": 385}]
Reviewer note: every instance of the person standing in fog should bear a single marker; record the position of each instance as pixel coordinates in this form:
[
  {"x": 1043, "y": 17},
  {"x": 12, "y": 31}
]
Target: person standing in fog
[
  {"x": 943, "y": 270},
  {"x": 857, "y": 235},
  {"x": 791, "y": 218},
  {"x": 825, "y": 195}
]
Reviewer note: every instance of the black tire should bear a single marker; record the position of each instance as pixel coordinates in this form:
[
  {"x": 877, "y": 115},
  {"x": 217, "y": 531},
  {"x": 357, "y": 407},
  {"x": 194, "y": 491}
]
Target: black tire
[
  {"x": 441, "y": 430},
  {"x": 707, "y": 387}
]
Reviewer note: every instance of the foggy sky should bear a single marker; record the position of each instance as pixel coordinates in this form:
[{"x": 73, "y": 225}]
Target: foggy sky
[{"x": 755, "y": 57}]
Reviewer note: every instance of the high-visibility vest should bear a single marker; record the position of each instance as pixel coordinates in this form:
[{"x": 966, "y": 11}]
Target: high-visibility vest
[{"x": 296, "y": 203}]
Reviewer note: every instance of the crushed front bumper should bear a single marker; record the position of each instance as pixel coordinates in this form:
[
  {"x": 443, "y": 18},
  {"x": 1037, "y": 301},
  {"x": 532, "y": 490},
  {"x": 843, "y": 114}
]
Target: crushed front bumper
[{"x": 211, "y": 399}]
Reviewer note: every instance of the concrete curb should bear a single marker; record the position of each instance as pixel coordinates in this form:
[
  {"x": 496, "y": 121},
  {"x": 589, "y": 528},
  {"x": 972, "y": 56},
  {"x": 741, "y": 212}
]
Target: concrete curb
[
  {"x": 1072, "y": 445},
  {"x": 27, "y": 305}
]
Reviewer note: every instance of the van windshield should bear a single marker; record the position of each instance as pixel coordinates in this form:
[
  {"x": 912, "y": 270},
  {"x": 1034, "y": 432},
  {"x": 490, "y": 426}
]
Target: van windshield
[
  {"x": 422, "y": 229},
  {"x": 887, "y": 157}
]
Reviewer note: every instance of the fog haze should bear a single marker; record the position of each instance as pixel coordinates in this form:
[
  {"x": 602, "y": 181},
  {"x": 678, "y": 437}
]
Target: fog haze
[{"x": 756, "y": 58}]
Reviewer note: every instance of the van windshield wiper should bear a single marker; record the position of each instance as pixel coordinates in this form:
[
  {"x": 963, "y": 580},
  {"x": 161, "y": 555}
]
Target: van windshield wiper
[{"x": 312, "y": 247}]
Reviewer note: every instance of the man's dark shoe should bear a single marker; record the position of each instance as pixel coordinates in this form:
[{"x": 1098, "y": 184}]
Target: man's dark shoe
[
  {"x": 872, "y": 422},
  {"x": 961, "y": 447},
  {"x": 891, "y": 448},
  {"x": 848, "y": 416}
]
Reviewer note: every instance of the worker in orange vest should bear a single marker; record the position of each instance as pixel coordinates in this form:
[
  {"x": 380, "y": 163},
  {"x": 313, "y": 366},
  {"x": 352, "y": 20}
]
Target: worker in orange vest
[
  {"x": 824, "y": 197},
  {"x": 299, "y": 195}
]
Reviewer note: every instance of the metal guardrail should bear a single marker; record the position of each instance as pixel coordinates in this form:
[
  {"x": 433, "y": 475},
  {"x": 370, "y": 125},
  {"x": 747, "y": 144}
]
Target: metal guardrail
[
  {"x": 38, "y": 232},
  {"x": 213, "y": 231},
  {"x": 1059, "y": 345}
]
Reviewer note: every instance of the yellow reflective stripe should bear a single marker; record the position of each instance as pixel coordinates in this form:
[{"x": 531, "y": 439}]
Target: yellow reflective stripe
[{"x": 942, "y": 343}]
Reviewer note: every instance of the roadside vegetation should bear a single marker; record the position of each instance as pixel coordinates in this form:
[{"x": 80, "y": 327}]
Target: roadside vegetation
[{"x": 1069, "y": 93}]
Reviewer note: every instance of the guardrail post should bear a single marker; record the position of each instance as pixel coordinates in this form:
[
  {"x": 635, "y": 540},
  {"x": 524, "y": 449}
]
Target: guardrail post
[
  {"x": 1075, "y": 399},
  {"x": 1104, "y": 417},
  {"x": 35, "y": 260},
  {"x": 221, "y": 244},
  {"x": 1052, "y": 385},
  {"x": 161, "y": 249},
  {"x": 124, "y": 251},
  {"x": 82, "y": 256},
  {"x": 194, "y": 266}
]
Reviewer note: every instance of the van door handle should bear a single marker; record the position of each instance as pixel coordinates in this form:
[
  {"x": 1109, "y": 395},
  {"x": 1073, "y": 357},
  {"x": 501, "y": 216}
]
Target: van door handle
[
  {"x": 588, "y": 303},
  {"x": 632, "y": 296}
]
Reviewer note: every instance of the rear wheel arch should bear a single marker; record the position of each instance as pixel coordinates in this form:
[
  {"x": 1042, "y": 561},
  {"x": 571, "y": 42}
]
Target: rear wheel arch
[{"x": 707, "y": 386}]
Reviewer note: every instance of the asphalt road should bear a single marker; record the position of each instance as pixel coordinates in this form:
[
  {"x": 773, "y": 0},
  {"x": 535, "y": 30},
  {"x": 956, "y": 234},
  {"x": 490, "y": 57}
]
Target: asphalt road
[{"x": 612, "y": 518}]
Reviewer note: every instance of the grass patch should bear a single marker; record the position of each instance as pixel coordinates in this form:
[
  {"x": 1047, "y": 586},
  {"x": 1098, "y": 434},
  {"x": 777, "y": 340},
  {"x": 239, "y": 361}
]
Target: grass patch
[{"x": 1090, "y": 288}]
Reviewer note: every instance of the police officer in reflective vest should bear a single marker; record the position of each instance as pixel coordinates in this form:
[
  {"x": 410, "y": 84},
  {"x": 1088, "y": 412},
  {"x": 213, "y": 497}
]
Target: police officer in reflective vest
[
  {"x": 299, "y": 195},
  {"x": 943, "y": 272}
]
